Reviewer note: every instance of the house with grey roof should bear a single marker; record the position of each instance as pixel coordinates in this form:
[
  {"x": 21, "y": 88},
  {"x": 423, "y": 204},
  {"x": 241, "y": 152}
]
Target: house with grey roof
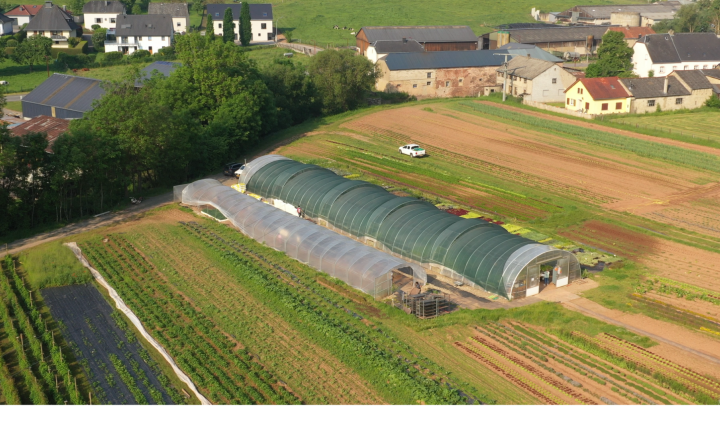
[
  {"x": 688, "y": 89},
  {"x": 102, "y": 13},
  {"x": 62, "y": 96},
  {"x": 6, "y": 25},
  {"x": 147, "y": 32},
  {"x": 661, "y": 54},
  {"x": 534, "y": 79},
  {"x": 439, "y": 73},
  {"x": 432, "y": 38},
  {"x": 178, "y": 11},
  {"x": 379, "y": 49},
  {"x": 53, "y": 22},
  {"x": 261, "y": 20}
]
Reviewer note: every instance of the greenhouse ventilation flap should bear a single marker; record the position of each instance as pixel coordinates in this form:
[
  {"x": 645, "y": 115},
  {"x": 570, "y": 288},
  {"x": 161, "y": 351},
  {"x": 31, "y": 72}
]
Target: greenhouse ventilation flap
[
  {"x": 358, "y": 265},
  {"x": 472, "y": 251}
]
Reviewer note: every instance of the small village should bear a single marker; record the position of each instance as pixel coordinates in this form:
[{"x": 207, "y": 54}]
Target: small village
[{"x": 330, "y": 203}]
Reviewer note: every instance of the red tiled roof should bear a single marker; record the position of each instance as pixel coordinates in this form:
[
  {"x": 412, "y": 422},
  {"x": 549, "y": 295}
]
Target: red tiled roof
[
  {"x": 54, "y": 127},
  {"x": 603, "y": 88},
  {"x": 24, "y": 9},
  {"x": 633, "y": 32}
]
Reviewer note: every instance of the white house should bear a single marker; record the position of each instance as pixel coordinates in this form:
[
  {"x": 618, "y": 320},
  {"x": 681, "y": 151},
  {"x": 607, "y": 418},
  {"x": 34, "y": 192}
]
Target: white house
[
  {"x": 261, "y": 20},
  {"x": 23, "y": 14},
  {"x": 6, "y": 24},
  {"x": 147, "y": 32},
  {"x": 663, "y": 53},
  {"x": 178, "y": 11},
  {"x": 53, "y": 22},
  {"x": 535, "y": 80},
  {"x": 102, "y": 13}
]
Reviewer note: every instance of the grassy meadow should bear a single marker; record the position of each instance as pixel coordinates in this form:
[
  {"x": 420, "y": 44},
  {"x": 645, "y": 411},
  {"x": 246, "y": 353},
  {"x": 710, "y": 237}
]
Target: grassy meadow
[{"x": 699, "y": 125}]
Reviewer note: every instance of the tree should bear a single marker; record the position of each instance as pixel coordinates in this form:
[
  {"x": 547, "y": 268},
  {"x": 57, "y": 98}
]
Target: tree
[
  {"x": 76, "y": 6},
  {"x": 614, "y": 57},
  {"x": 296, "y": 97},
  {"x": 209, "y": 28},
  {"x": 32, "y": 51},
  {"x": 342, "y": 79},
  {"x": 98, "y": 38},
  {"x": 228, "y": 30},
  {"x": 137, "y": 9},
  {"x": 3, "y": 101},
  {"x": 245, "y": 29}
]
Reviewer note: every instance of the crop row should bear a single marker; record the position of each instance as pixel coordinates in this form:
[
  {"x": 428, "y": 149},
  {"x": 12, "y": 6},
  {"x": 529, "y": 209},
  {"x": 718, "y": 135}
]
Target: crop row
[
  {"x": 679, "y": 289},
  {"x": 206, "y": 355},
  {"x": 643, "y": 148},
  {"x": 312, "y": 310},
  {"x": 43, "y": 353}
]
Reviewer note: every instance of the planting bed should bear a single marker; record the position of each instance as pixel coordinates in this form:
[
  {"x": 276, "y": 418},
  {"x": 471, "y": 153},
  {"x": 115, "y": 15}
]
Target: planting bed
[{"x": 120, "y": 369}]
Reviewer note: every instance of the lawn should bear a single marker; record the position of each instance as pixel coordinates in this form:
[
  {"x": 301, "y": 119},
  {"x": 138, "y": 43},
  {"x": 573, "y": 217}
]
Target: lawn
[
  {"x": 16, "y": 106},
  {"x": 704, "y": 124},
  {"x": 313, "y": 20},
  {"x": 265, "y": 56},
  {"x": 20, "y": 78}
]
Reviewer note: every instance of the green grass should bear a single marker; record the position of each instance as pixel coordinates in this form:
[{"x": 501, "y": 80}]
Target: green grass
[
  {"x": 53, "y": 265},
  {"x": 266, "y": 56},
  {"x": 20, "y": 78},
  {"x": 314, "y": 19},
  {"x": 702, "y": 124},
  {"x": 16, "y": 106}
]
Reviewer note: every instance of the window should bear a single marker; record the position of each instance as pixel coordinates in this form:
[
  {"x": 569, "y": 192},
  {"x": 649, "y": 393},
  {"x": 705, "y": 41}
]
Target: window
[
  {"x": 618, "y": 105},
  {"x": 414, "y": 85},
  {"x": 705, "y": 66},
  {"x": 524, "y": 81},
  {"x": 112, "y": 20},
  {"x": 674, "y": 67},
  {"x": 686, "y": 68},
  {"x": 139, "y": 38},
  {"x": 651, "y": 103},
  {"x": 587, "y": 106},
  {"x": 428, "y": 83},
  {"x": 580, "y": 90},
  {"x": 678, "y": 101},
  {"x": 460, "y": 82},
  {"x": 178, "y": 24},
  {"x": 263, "y": 26},
  {"x": 162, "y": 38},
  {"x": 662, "y": 69},
  {"x": 219, "y": 25},
  {"x": 149, "y": 38},
  {"x": 554, "y": 80},
  {"x": 217, "y": 14},
  {"x": 258, "y": 34},
  {"x": 429, "y": 75},
  {"x": 98, "y": 20},
  {"x": 604, "y": 106},
  {"x": 696, "y": 67},
  {"x": 447, "y": 84}
]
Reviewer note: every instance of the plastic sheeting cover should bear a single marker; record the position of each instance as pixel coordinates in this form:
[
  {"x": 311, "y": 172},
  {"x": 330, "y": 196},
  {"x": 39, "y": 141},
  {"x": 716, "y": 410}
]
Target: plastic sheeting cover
[
  {"x": 471, "y": 249},
  {"x": 360, "y": 266}
]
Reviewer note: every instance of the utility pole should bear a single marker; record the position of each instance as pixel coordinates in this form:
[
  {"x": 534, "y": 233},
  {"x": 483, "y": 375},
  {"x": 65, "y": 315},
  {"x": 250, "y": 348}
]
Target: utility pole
[
  {"x": 276, "y": 29},
  {"x": 505, "y": 72}
]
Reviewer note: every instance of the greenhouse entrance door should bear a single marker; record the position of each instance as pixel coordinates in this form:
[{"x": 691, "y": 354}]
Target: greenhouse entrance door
[{"x": 533, "y": 279}]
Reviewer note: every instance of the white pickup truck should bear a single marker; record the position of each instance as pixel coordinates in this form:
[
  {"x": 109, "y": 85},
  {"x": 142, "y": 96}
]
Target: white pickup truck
[{"x": 412, "y": 150}]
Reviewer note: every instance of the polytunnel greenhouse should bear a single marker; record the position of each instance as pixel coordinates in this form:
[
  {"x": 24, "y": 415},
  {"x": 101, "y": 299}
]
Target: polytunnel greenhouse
[
  {"x": 472, "y": 251},
  {"x": 358, "y": 265}
]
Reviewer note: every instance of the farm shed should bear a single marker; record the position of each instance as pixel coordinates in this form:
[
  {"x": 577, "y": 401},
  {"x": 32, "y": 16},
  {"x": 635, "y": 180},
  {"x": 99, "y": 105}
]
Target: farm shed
[
  {"x": 432, "y": 38},
  {"x": 62, "y": 96},
  {"x": 358, "y": 265},
  {"x": 473, "y": 251},
  {"x": 554, "y": 38}
]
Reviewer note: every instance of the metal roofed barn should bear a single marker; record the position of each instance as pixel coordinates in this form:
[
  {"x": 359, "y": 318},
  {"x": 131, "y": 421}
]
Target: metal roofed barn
[
  {"x": 443, "y": 59},
  {"x": 358, "y": 265},
  {"x": 473, "y": 251},
  {"x": 62, "y": 96}
]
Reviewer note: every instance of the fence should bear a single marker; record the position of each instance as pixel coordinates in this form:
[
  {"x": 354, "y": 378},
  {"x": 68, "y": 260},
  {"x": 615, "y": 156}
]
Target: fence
[
  {"x": 557, "y": 109},
  {"x": 303, "y": 49}
]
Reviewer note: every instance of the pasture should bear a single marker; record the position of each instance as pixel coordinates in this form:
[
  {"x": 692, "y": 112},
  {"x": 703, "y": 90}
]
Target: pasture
[
  {"x": 312, "y": 21},
  {"x": 703, "y": 125}
]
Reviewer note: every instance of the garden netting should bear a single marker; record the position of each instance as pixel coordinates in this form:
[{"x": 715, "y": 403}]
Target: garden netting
[
  {"x": 473, "y": 251},
  {"x": 358, "y": 265}
]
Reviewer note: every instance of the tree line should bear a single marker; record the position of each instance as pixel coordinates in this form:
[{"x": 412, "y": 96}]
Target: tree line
[{"x": 213, "y": 109}]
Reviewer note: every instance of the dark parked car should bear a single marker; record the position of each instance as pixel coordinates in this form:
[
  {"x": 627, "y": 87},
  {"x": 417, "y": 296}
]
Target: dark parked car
[{"x": 231, "y": 168}]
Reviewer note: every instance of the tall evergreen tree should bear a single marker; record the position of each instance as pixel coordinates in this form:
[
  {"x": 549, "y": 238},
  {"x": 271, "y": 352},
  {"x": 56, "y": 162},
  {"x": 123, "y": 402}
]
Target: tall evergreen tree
[
  {"x": 228, "y": 30},
  {"x": 209, "y": 29},
  {"x": 245, "y": 29}
]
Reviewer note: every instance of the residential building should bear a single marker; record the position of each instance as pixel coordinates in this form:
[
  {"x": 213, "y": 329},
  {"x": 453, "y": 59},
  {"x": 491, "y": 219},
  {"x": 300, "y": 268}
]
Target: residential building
[
  {"x": 52, "y": 127},
  {"x": 53, "y": 22},
  {"x": 6, "y": 25},
  {"x": 62, "y": 96},
  {"x": 178, "y": 11},
  {"x": 103, "y": 13},
  {"x": 439, "y": 73},
  {"x": 552, "y": 38},
  {"x": 663, "y": 53},
  {"x": 22, "y": 14},
  {"x": 632, "y": 34},
  {"x": 535, "y": 80},
  {"x": 379, "y": 49},
  {"x": 597, "y": 96},
  {"x": 637, "y": 15},
  {"x": 261, "y": 20},
  {"x": 651, "y": 94},
  {"x": 147, "y": 32},
  {"x": 432, "y": 38}
]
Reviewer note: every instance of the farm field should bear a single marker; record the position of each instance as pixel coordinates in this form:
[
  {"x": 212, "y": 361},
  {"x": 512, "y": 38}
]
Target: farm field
[
  {"x": 120, "y": 370},
  {"x": 699, "y": 124},
  {"x": 314, "y": 20}
]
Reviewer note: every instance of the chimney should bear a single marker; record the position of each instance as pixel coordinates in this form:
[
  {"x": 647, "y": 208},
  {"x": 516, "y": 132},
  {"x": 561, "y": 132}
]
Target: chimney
[
  {"x": 65, "y": 8},
  {"x": 665, "y": 85}
]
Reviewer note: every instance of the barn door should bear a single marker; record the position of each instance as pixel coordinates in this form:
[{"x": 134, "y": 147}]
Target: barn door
[
  {"x": 533, "y": 279},
  {"x": 561, "y": 272}
]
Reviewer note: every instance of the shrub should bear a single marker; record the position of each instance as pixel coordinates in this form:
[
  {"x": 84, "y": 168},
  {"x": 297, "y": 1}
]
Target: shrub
[
  {"x": 166, "y": 51},
  {"x": 113, "y": 56},
  {"x": 73, "y": 41},
  {"x": 95, "y": 26},
  {"x": 9, "y": 51},
  {"x": 140, "y": 53},
  {"x": 712, "y": 102},
  {"x": 11, "y": 43}
]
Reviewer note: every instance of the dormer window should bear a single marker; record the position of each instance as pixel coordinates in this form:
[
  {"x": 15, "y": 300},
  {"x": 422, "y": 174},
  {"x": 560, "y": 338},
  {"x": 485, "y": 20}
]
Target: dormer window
[
  {"x": 264, "y": 13},
  {"x": 217, "y": 14}
]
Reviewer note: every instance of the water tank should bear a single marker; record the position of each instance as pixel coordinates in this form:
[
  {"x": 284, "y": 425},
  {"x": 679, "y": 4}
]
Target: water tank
[{"x": 626, "y": 19}]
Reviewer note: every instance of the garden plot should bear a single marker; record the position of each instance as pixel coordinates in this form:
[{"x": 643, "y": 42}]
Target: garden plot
[{"x": 119, "y": 368}]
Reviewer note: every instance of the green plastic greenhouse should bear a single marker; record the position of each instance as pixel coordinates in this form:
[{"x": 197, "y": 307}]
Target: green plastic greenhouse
[{"x": 472, "y": 251}]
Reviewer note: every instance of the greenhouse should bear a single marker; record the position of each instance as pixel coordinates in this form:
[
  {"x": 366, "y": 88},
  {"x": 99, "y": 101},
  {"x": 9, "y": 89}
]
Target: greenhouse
[
  {"x": 358, "y": 265},
  {"x": 472, "y": 251}
]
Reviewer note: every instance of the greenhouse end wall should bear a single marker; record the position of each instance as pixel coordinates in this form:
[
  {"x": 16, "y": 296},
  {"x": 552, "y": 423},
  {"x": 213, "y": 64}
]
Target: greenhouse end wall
[
  {"x": 473, "y": 251},
  {"x": 360, "y": 266}
]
